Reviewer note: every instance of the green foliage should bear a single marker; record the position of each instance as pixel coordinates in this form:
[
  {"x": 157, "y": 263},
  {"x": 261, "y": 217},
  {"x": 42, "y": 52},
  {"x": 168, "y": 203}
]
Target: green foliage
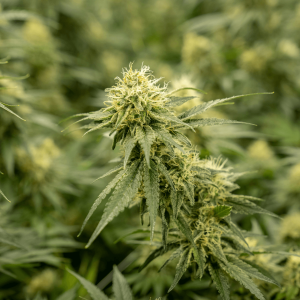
[
  {"x": 120, "y": 288},
  {"x": 94, "y": 292},
  {"x": 220, "y": 280},
  {"x": 222, "y": 211}
]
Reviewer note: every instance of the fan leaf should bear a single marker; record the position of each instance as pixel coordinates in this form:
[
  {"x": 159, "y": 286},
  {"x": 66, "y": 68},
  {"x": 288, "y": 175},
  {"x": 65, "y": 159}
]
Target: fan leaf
[
  {"x": 102, "y": 195},
  {"x": 145, "y": 136},
  {"x": 120, "y": 286},
  {"x": 220, "y": 279},
  {"x": 94, "y": 292},
  {"x": 124, "y": 192},
  {"x": 152, "y": 192},
  {"x": 181, "y": 267}
]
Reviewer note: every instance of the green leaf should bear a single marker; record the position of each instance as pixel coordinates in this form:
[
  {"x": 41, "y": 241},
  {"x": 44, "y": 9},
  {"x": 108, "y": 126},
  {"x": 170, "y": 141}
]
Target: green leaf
[
  {"x": 276, "y": 252},
  {"x": 181, "y": 267},
  {"x": 129, "y": 144},
  {"x": 210, "y": 122},
  {"x": 3, "y": 105},
  {"x": 96, "y": 127},
  {"x": 8, "y": 273},
  {"x": 236, "y": 241},
  {"x": 189, "y": 190},
  {"x": 133, "y": 232},
  {"x": 292, "y": 292},
  {"x": 118, "y": 136},
  {"x": 6, "y": 238},
  {"x": 165, "y": 220},
  {"x": 220, "y": 279},
  {"x": 217, "y": 250},
  {"x": 222, "y": 211},
  {"x": 158, "y": 252},
  {"x": 174, "y": 119},
  {"x": 176, "y": 200},
  {"x": 177, "y": 253},
  {"x": 186, "y": 88},
  {"x": 267, "y": 276},
  {"x": 115, "y": 169},
  {"x": 94, "y": 292},
  {"x": 124, "y": 192},
  {"x": 165, "y": 136},
  {"x": 102, "y": 195},
  {"x": 151, "y": 192},
  {"x": 202, "y": 259},
  {"x": 120, "y": 287},
  {"x": 204, "y": 106},
  {"x": 68, "y": 295},
  {"x": 96, "y": 116},
  {"x": 247, "y": 207},
  {"x": 145, "y": 136},
  {"x": 15, "y": 78},
  {"x": 1, "y": 193},
  {"x": 165, "y": 172},
  {"x": 240, "y": 276},
  {"x": 143, "y": 210},
  {"x": 237, "y": 232},
  {"x": 185, "y": 229},
  {"x": 182, "y": 138},
  {"x": 177, "y": 101},
  {"x": 246, "y": 197},
  {"x": 122, "y": 115}
]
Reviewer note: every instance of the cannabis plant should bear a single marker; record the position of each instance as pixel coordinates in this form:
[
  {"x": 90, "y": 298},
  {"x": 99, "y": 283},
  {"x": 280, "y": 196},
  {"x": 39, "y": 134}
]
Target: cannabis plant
[{"x": 162, "y": 173}]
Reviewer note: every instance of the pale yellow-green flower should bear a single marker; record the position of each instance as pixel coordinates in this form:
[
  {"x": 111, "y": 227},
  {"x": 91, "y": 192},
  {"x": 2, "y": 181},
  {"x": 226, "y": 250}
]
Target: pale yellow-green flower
[
  {"x": 36, "y": 32},
  {"x": 289, "y": 48},
  {"x": 260, "y": 150},
  {"x": 291, "y": 273},
  {"x": 39, "y": 159},
  {"x": 194, "y": 48},
  {"x": 42, "y": 282},
  {"x": 290, "y": 227},
  {"x": 294, "y": 177}
]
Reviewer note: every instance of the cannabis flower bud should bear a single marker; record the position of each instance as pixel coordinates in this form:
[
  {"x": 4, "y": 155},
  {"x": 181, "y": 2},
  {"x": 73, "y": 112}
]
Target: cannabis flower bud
[{"x": 159, "y": 169}]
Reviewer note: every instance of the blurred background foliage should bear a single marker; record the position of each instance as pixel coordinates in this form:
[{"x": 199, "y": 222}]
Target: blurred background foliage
[{"x": 72, "y": 50}]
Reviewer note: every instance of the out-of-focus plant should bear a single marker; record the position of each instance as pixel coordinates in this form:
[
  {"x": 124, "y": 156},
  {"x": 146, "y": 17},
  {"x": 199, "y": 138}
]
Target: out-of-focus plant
[
  {"x": 286, "y": 190},
  {"x": 5, "y": 106},
  {"x": 236, "y": 46},
  {"x": 25, "y": 249},
  {"x": 121, "y": 288}
]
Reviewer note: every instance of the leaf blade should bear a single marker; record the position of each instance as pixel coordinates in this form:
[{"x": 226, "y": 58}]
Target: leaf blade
[
  {"x": 126, "y": 190},
  {"x": 240, "y": 276},
  {"x": 98, "y": 201},
  {"x": 145, "y": 137},
  {"x": 222, "y": 211},
  {"x": 94, "y": 292},
  {"x": 181, "y": 267},
  {"x": 220, "y": 280},
  {"x": 152, "y": 193},
  {"x": 121, "y": 288},
  {"x": 205, "y": 106}
]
